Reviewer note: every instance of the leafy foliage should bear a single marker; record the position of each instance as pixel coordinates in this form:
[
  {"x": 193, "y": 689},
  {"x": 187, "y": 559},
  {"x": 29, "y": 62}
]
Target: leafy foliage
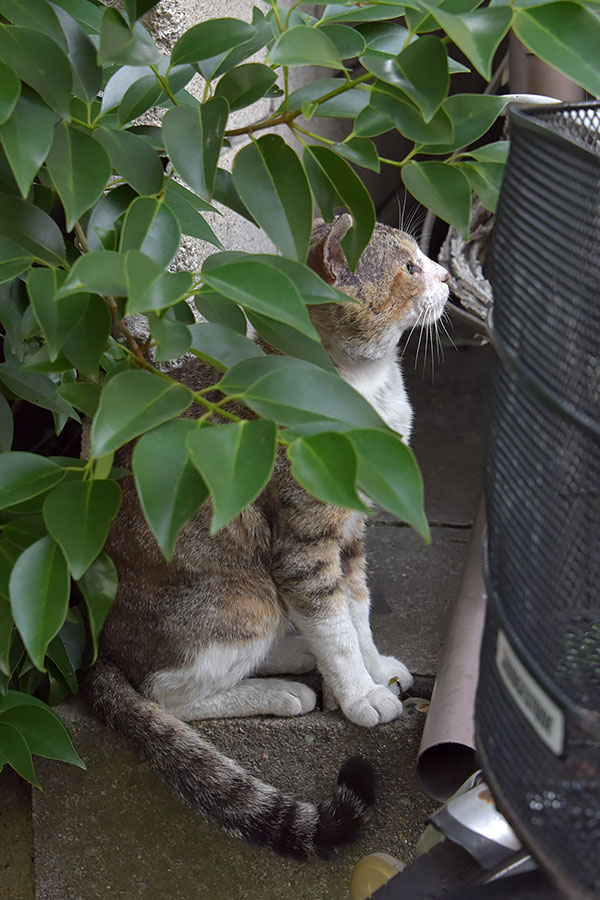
[{"x": 92, "y": 213}]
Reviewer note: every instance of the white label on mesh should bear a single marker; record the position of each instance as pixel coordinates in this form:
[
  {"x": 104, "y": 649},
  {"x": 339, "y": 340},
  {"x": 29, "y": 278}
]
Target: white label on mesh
[{"x": 541, "y": 712}]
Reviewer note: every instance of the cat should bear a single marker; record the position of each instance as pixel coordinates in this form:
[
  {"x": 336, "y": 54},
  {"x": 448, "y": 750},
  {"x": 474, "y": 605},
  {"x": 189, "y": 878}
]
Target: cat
[{"x": 282, "y": 587}]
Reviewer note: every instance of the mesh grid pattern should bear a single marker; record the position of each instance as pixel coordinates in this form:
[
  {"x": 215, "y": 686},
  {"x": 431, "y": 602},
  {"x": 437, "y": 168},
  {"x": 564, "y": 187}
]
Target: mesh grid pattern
[{"x": 543, "y": 487}]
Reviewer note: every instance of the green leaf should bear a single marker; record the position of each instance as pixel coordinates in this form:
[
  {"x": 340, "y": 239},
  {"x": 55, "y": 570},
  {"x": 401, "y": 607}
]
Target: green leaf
[
  {"x": 218, "y": 309},
  {"x": 361, "y": 152},
  {"x": 149, "y": 288},
  {"x": 82, "y": 395},
  {"x": 84, "y": 12},
  {"x": 325, "y": 465},
  {"x": 103, "y": 227},
  {"x": 6, "y": 633},
  {"x": 35, "y": 388},
  {"x": 9, "y": 554},
  {"x": 100, "y": 272},
  {"x": 304, "y": 46},
  {"x": 485, "y": 179},
  {"x": 273, "y": 185},
  {"x": 245, "y": 84},
  {"x": 31, "y": 228},
  {"x": 289, "y": 341},
  {"x": 442, "y": 189},
  {"x": 210, "y": 39},
  {"x": 35, "y": 14},
  {"x": 15, "y": 752},
  {"x": 221, "y": 347},
  {"x": 270, "y": 386},
  {"x": 124, "y": 46},
  {"x": 87, "y": 73},
  {"x": 38, "y": 61},
  {"x": 58, "y": 655},
  {"x": 39, "y": 596},
  {"x": 341, "y": 12},
  {"x": 471, "y": 116},
  {"x": 137, "y": 8},
  {"x": 133, "y": 159},
  {"x": 226, "y": 193},
  {"x": 407, "y": 118},
  {"x": 423, "y": 74},
  {"x": 371, "y": 122},
  {"x": 150, "y": 227},
  {"x": 260, "y": 287},
  {"x": 346, "y": 183},
  {"x": 131, "y": 403},
  {"x": 84, "y": 346},
  {"x": 389, "y": 474},
  {"x": 10, "y": 89},
  {"x": 138, "y": 98},
  {"x": 168, "y": 484},
  {"x": 173, "y": 338},
  {"x": 175, "y": 190},
  {"x": 235, "y": 462},
  {"x": 99, "y": 589},
  {"x": 347, "y": 41},
  {"x": 565, "y": 35},
  {"x": 13, "y": 260},
  {"x": 497, "y": 152},
  {"x": 478, "y": 34},
  {"x": 24, "y": 531},
  {"x": 79, "y": 168},
  {"x": 78, "y": 515},
  {"x": 190, "y": 221},
  {"x": 42, "y": 729},
  {"x": 6, "y": 425},
  {"x": 193, "y": 138},
  {"x": 57, "y": 318}
]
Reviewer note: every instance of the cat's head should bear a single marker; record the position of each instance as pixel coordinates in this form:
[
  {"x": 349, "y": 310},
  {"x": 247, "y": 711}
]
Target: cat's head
[{"x": 397, "y": 287}]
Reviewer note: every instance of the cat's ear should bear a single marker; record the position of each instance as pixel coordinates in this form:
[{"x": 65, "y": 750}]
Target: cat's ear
[{"x": 326, "y": 257}]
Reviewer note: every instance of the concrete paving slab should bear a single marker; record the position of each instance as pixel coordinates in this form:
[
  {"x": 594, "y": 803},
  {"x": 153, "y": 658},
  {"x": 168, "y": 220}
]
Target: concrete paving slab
[{"x": 116, "y": 832}]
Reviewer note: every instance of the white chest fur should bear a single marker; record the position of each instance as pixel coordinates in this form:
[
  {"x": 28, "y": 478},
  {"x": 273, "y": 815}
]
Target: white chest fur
[{"x": 380, "y": 382}]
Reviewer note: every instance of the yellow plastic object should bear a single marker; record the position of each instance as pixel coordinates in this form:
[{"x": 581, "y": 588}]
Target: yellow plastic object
[{"x": 371, "y": 872}]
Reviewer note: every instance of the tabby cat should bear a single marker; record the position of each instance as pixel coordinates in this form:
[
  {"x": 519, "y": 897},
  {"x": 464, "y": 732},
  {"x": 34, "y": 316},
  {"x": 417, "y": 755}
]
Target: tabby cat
[{"x": 280, "y": 589}]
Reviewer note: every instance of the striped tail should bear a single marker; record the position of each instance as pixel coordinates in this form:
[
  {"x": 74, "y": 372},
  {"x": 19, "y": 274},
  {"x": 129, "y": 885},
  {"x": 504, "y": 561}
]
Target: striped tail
[{"x": 243, "y": 806}]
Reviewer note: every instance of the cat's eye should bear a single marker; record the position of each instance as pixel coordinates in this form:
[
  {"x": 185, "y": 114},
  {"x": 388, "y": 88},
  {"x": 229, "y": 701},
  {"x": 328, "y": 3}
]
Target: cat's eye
[{"x": 411, "y": 268}]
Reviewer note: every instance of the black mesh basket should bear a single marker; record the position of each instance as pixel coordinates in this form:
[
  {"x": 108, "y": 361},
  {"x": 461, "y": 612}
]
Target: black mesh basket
[{"x": 538, "y": 704}]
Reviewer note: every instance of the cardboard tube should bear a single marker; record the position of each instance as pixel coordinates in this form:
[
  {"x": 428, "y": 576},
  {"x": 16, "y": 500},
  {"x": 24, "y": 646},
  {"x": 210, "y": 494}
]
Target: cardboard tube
[{"x": 447, "y": 752}]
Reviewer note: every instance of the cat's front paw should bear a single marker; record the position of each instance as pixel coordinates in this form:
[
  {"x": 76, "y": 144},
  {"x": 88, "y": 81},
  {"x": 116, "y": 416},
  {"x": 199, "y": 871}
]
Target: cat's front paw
[
  {"x": 390, "y": 672},
  {"x": 377, "y": 707}
]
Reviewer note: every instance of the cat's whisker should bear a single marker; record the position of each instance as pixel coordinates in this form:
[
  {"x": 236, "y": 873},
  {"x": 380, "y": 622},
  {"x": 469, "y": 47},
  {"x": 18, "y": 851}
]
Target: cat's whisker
[{"x": 410, "y": 334}]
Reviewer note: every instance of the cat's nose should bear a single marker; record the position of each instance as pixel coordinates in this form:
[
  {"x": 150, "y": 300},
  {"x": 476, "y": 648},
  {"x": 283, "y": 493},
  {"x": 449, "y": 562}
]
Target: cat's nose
[{"x": 446, "y": 277}]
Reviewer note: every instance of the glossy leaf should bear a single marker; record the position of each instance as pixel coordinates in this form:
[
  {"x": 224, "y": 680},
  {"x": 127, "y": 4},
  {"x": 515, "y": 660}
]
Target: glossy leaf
[
  {"x": 106, "y": 217},
  {"x": 325, "y": 465},
  {"x": 347, "y": 41},
  {"x": 219, "y": 309},
  {"x": 304, "y": 46},
  {"x": 57, "y": 318},
  {"x": 258, "y": 286},
  {"x": 10, "y": 89},
  {"x": 175, "y": 190},
  {"x": 79, "y": 168},
  {"x": 150, "y": 227},
  {"x": 87, "y": 79},
  {"x": 193, "y": 138},
  {"x": 565, "y": 35},
  {"x": 131, "y": 403},
  {"x": 42, "y": 729},
  {"x": 85, "y": 13},
  {"x": 273, "y": 185},
  {"x": 31, "y": 228},
  {"x": 138, "y": 98},
  {"x": 150, "y": 288},
  {"x": 35, "y": 388},
  {"x": 497, "y": 152},
  {"x": 133, "y": 159},
  {"x": 39, "y": 596},
  {"x": 6, "y": 425},
  {"x": 442, "y": 189},
  {"x": 341, "y": 12},
  {"x": 361, "y": 152},
  {"x": 290, "y": 341},
  {"x": 407, "y": 118},
  {"x": 102, "y": 271},
  {"x": 245, "y": 84},
  {"x": 24, "y": 475},
  {"x": 269, "y": 386},
  {"x": 85, "y": 346},
  {"x": 9, "y": 554},
  {"x": 471, "y": 116},
  {"x": 82, "y": 395},
  {"x": 99, "y": 589},
  {"x": 485, "y": 179},
  {"x": 221, "y": 347},
  {"x": 372, "y": 122},
  {"x": 35, "y": 14},
  {"x": 137, "y": 8},
  {"x": 13, "y": 260},
  {"x": 78, "y": 515},
  {"x": 23, "y": 531},
  {"x": 15, "y": 752},
  {"x": 235, "y": 462},
  {"x": 478, "y": 33},
  {"x": 346, "y": 183},
  {"x": 423, "y": 74},
  {"x": 389, "y": 474},
  {"x": 189, "y": 219},
  {"x": 6, "y": 633},
  {"x": 124, "y": 46},
  {"x": 172, "y": 338},
  {"x": 38, "y": 61},
  {"x": 57, "y": 654},
  {"x": 210, "y": 39},
  {"x": 168, "y": 484},
  {"x": 226, "y": 193}
]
